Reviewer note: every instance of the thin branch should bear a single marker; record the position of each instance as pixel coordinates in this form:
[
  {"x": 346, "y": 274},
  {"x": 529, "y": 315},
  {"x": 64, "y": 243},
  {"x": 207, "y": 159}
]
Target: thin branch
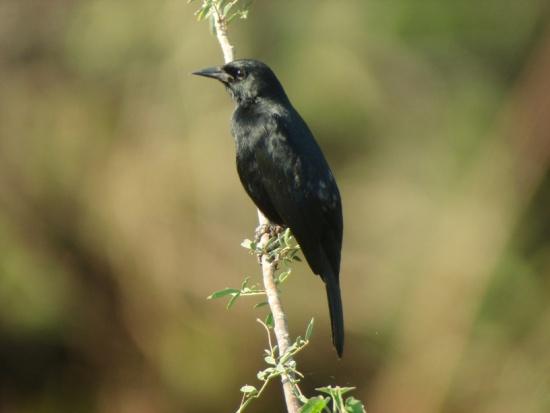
[
  {"x": 268, "y": 269},
  {"x": 279, "y": 318},
  {"x": 221, "y": 33}
]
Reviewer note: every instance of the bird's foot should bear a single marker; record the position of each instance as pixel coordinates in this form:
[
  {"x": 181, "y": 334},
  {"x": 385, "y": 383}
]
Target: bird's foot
[
  {"x": 260, "y": 231},
  {"x": 275, "y": 230}
]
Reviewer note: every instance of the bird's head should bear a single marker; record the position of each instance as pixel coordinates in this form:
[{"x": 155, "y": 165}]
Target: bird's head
[{"x": 246, "y": 80}]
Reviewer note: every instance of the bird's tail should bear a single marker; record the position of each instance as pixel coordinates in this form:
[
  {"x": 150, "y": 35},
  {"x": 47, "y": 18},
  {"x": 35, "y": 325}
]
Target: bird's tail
[{"x": 336, "y": 313}]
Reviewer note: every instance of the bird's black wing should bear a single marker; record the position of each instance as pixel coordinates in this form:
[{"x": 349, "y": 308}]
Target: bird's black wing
[
  {"x": 248, "y": 128},
  {"x": 253, "y": 183},
  {"x": 301, "y": 189}
]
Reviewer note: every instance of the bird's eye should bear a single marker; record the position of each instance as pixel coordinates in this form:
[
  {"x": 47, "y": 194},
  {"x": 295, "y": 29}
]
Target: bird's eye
[{"x": 240, "y": 74}]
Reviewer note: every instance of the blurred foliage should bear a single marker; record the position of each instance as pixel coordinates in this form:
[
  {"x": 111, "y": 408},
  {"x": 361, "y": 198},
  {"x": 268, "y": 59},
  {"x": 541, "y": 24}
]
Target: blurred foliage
[{"x": 120, "y": 207}]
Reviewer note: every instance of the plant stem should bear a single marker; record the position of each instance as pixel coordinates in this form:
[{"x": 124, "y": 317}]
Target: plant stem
[
  {"x": 221, "y": 33},
  {"x": 279, "y": 318},
  {"x": 268, "y": 269}
]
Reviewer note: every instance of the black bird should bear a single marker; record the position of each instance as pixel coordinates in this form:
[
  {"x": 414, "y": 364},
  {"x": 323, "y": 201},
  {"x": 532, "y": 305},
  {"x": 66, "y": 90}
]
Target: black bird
[{"x": 285, "y": 173}]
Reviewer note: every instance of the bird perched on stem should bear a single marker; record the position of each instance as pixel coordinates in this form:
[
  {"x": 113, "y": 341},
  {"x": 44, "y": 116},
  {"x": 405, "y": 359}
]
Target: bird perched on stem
[{"x": 284, "y": 172}]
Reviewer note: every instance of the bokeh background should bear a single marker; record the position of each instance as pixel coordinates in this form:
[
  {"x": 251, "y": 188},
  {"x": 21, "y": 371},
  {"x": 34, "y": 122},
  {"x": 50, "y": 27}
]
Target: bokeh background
[{"x": 121, "y": 210}]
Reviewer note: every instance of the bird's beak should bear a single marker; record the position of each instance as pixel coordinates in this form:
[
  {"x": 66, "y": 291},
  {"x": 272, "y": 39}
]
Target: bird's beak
[{"x": 215, "y": 73}]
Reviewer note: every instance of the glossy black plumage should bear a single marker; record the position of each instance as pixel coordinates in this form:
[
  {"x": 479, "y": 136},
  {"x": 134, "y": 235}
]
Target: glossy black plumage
[{"x": 285, "y": 173}]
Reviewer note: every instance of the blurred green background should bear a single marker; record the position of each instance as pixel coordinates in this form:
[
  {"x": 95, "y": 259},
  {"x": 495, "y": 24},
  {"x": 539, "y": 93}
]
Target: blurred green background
[{"x": 121, "y": 210}]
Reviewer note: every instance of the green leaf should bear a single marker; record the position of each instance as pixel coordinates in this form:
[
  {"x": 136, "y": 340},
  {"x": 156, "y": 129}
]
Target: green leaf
[
  {"x": 314, "y": 405},
  {"x": 344, "y": 390},
  {"x": 262, "y": 304},
  {"x": 336, "y": 390},
  {"x": 286, "y": 236},
  {"x": 327, "y": 390},
  {"x": 212, "y": 24},
  {"x": 223, "y": 293},
  {"x": 309, "y": 330},
  {"x": 227, "y": 7},
  {"x": 230, "y": 18},
  {"x": 233, "y": 300},
  {"x": 270, "y": 360},
  {"x": 248, "y": 389},
  {"x": 266, "y": 374},
  {"x": 270, "y": 248},
  {"x": 248, "y": 244},
  {"x": 203, "y": 12},
  {"x": 354, "y": 406},
  {"x": 269, "y": 321},
  {"x": 283, "y": 276}
]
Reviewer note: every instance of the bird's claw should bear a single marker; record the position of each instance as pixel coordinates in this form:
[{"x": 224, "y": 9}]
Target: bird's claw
[
  {"x": 276, "y": 230},
  {"x": 272, "y": 230},
  {"x": 260, "y": 231}
]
